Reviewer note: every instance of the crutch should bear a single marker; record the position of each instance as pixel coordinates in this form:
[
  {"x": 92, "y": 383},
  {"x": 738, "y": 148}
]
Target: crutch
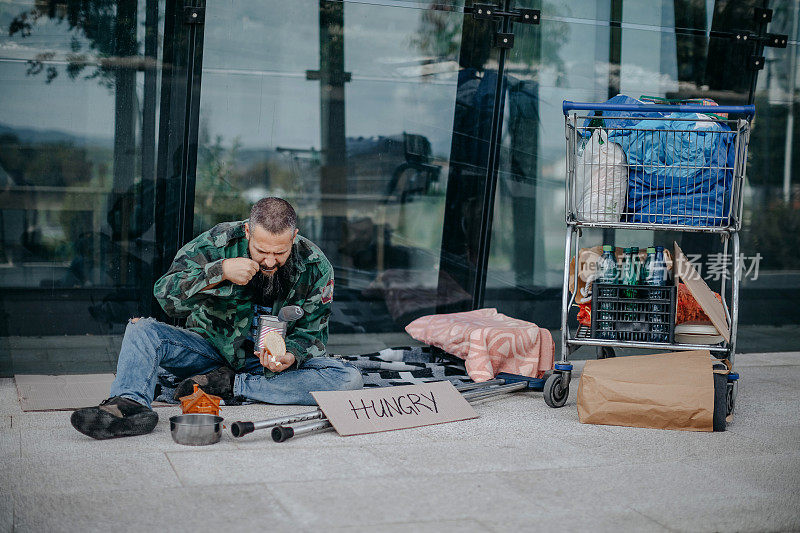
[
  {"x": 240, "y": 429},
  {"x": 281, "y": 431}
]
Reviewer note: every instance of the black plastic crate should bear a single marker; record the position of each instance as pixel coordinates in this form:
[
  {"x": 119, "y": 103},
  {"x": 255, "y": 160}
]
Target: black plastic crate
[{"x": 639, "y": 313}]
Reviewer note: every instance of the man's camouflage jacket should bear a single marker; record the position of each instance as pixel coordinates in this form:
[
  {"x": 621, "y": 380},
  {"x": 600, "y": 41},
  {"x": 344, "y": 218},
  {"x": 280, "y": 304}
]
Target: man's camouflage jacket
[{"x": 223, "y": 314}]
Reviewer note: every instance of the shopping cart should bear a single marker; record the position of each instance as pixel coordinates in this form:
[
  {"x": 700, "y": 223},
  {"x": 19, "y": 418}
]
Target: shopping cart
[{"x": 656, "y": 168}]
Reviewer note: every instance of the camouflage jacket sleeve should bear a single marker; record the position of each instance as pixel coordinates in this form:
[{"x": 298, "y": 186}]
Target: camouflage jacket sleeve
[
  {"x": 309, "y": 335},
  {"x": 196, "y": 266}
]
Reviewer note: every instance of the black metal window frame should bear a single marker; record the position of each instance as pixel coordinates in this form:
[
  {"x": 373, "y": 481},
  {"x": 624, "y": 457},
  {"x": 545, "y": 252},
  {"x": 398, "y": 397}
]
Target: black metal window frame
[{"x": 178, "y": 132}]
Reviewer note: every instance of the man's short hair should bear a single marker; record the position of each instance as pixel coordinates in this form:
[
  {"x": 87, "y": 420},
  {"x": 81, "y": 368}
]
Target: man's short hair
[{"x": 275, "y": 215}]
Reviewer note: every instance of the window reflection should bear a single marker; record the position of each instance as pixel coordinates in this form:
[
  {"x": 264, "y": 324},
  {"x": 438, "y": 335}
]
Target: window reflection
[
  {"x": 354, "y": 129},
  {"x": 525, "y": 272},
  {"x": 76, "y": 165},
  {"x": 373, "y": 118}
]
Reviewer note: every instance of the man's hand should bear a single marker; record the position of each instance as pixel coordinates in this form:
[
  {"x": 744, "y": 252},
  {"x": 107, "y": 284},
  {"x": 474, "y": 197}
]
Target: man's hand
[
  {"x": 239, "y": 270},
  {"x": 275, "y": 364}
]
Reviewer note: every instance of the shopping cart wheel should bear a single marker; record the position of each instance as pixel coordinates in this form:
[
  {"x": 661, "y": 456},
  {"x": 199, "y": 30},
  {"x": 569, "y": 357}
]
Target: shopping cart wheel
[
  {"x": 604, "y": 352},
  {"x": 730, "y": 398},
  {"x": 555, "y": 393}
]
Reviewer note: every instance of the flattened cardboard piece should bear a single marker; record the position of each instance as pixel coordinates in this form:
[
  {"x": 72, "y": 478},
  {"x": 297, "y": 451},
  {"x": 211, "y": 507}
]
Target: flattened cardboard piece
[
  {"x": 55, "y": 393},
  {"x": 388, "y": 408},
  {"x": 662, "y": 391},
  {"x": 704, "y": 296},
  {"x": 64, "y": 393}
]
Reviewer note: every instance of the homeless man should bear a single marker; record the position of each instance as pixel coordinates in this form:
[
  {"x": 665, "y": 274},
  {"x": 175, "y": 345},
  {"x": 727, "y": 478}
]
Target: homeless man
[{"x": 222, "y": 281}]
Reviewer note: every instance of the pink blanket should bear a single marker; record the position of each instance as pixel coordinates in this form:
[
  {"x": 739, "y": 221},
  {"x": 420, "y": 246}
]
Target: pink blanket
[{"x": 489, "y": 342}]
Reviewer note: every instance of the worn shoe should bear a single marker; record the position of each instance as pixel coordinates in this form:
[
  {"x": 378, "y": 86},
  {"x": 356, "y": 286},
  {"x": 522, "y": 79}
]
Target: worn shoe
[
  {"x": 115, "y": 417},
  {"x": 218, "y": 382}
]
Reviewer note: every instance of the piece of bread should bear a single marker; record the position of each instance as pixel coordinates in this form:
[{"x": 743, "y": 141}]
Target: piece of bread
[{"x": 275, "y": 345}]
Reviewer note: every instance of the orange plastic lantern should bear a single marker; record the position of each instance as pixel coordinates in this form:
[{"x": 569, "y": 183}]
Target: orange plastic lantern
[{"x": 200, "y": 402}]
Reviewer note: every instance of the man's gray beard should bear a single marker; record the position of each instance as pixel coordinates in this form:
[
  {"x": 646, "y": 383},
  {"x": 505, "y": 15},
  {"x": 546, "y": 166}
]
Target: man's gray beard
[
  {"x": 270, "y": 284},
  {"x": 269, "y": 288}
]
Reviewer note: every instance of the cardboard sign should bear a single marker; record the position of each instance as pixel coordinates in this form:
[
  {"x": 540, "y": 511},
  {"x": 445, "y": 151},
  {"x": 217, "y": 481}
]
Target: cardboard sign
[
  {"x": 704, "y": 296},
  {"x": 387, "y": 408}
]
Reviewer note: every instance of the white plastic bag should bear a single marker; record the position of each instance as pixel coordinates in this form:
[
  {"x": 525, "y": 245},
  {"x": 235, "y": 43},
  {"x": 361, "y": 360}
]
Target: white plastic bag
[{"x": 602, "y": 180}]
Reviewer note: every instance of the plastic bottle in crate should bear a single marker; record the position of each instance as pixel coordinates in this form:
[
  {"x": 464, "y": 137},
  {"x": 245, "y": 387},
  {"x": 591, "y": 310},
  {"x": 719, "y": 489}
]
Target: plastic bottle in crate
[
  {"x": 630, "y": 276},
  {"x": 661, "y": 269},
  {"x": 636, "y": 268},
  {"x": 607, "y": 270},
  {"x": 607, "y": 273},
  {"x": 649, "y": 272},
  {"x": 655, "y": 270},
  {"x": 626, "y": 269},
  {"x": 655, "y": 273}
]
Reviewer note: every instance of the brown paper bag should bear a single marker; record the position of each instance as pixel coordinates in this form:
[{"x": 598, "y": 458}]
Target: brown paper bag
[{"x": 663, "y": 391}]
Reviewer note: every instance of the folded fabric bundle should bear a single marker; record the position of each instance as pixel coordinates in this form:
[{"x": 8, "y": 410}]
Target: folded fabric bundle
[{"x": 489, "y": 342}]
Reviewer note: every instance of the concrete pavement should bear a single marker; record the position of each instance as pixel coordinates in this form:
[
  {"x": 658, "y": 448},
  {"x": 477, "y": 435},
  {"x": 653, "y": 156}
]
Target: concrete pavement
[{"x": 521, "y": 465}]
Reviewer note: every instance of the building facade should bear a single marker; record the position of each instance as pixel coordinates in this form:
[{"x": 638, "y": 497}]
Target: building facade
[{"x": 422, "y": 146}]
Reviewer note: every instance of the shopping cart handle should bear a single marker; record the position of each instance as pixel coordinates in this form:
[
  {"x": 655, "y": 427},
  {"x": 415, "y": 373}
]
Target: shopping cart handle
[{"x": 749, "y": 110}]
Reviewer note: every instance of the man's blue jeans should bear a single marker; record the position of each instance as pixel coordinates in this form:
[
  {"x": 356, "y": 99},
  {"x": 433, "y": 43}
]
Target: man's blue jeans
[{"x": 149, "y": 344}]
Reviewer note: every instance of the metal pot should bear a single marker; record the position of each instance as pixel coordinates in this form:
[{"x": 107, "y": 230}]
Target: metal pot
[{"x": 196, "y": 429}]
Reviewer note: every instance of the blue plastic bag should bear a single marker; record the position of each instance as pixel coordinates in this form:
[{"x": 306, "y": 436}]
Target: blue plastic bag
[{"x": 680, "y": 171}]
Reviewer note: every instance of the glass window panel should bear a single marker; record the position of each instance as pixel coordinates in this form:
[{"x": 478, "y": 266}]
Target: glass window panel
[
  {"x": 691, "y": 14},
  {"x": 77, "y": 156},
  {"x": 365, "y": 165},
  {"x": 368, "y": 162},
  {"x": 526, "y": 260}
]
